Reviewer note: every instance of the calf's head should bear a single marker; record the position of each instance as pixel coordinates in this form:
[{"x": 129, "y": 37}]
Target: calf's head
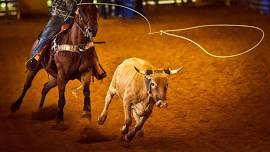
[{"x": 156, "y": 82}]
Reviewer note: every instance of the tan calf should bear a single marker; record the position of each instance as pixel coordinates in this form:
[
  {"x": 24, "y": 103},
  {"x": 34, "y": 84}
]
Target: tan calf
[{"x": 140, "y": 86}]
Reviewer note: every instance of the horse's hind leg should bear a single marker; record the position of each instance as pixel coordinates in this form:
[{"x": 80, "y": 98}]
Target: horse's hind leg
[
  {"x": 30, "y": 76},
  {"x": 86, "y": 79},
  {"x": 46, "y": 88}
]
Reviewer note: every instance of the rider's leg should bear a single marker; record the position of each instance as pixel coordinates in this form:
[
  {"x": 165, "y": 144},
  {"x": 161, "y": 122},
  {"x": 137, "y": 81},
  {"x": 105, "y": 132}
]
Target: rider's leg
[
  {"x": 99, "y": 72},
  {"x": 50, "y": 30}
]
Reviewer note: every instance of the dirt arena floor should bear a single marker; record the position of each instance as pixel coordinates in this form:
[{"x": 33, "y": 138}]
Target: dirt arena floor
[{"x": 214, "y": 104}]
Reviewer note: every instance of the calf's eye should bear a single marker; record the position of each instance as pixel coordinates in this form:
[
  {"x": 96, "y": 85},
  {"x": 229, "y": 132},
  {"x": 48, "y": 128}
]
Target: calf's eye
[{"x": 152, "y": 84}]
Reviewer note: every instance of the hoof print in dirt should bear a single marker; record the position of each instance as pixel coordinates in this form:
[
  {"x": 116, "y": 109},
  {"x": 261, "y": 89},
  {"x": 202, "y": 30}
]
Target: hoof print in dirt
[
  {"x": 93, "y": 135},
  {"x": 47, "y": 113},
  {"x": 60, "y": 126}
]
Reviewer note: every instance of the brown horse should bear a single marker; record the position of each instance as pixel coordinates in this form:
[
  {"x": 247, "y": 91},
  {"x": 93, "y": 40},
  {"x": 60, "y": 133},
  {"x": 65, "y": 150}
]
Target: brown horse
[{"x": 68, "y": 61}]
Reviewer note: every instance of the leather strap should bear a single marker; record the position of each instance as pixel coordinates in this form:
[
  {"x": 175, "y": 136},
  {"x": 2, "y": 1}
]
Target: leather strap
[{"x": 73, "y": 48}]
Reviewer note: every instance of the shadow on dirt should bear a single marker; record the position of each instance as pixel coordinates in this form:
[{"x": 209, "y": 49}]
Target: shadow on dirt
[
  {"x": 89, "y": 134},
  {"x": 45, "y": 114}
]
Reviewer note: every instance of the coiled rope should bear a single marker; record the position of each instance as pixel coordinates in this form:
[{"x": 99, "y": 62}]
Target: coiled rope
[{"x": 168, "y": 32}]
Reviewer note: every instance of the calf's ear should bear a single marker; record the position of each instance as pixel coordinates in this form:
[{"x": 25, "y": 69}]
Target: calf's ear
[{"x": 140, "y": 71}]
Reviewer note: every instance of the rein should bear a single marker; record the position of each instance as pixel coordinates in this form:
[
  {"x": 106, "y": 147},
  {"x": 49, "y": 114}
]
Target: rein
[{"x": 86, "y": 30}]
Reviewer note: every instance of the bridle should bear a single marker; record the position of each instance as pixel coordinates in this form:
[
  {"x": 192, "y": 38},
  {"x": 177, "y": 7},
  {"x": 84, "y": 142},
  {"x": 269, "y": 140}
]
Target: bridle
[{"x": 85, "y": 29}]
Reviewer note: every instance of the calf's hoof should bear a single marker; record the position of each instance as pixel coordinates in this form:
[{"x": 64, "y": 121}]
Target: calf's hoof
[
  {"x": 102, "y": 119},
  {"x": 124, "y": 130},
  {"x": 140, "y": 133},
  {"x": 14, "y": 107},
  {"x": 86, "y": 114},
  {"x": 129, "y": 136}
]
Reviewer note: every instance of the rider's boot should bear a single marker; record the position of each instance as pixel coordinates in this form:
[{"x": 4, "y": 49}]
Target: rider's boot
[
  {"x": 99, "y": 72},
  {"x": 32, "y": 63}
]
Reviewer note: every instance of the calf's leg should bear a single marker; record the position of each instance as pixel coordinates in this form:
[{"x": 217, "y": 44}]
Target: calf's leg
[
  {"x": 137, "y": 119},
  {"x": 137, "y": 128},
  {"x": 127, "y": 112},
  {"x": 102, "y": 118}
]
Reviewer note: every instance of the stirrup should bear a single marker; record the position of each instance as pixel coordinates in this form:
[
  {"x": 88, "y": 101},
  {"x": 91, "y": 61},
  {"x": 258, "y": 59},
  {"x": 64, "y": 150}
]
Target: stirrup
[
  {"x": 100, "y": 76},
  {"x": 32, "y": 63}
]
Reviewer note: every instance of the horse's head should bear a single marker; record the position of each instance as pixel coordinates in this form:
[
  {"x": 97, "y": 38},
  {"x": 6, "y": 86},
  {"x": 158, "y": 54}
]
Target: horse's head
[{"x": 86, "y": 18}]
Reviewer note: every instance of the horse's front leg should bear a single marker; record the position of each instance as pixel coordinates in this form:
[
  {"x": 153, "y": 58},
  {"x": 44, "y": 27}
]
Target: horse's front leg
[
  {"x": 61, "y": 83},
  {"x": 86, "y": 79},
  {"x": 30, "y": 76}
]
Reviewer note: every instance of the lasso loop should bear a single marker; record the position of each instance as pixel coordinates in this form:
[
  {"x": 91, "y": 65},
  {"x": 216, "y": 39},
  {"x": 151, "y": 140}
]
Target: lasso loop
[{"x": 166, "y": 32}]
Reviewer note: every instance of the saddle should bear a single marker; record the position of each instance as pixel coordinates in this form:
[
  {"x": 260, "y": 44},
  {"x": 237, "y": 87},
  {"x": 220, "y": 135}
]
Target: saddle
[
  {"x": 64, "y": 28},
  {"x": 43, "y": 54}
]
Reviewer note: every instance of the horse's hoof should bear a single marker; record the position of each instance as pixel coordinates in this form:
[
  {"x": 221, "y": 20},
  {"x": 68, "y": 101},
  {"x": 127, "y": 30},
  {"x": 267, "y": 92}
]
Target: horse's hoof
[
  {"x": 129, "y": 136},
  {"x": 87, "y": 115},
  {"x": 59, "y": 120},
  {"x": 39, "y": 109},
  {"x": 14, "y": 107},
  {"x": 59, "y": 117},
  {"x": 101, "y": 120}
]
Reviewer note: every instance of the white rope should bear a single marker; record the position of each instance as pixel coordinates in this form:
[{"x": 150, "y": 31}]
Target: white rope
[
  {"x": 110, "y": 4},
  {"x": 166, "y": 32}
]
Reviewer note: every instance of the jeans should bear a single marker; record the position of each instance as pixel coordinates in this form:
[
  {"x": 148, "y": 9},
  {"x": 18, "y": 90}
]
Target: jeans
[{"x": 52, "y": 28}]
